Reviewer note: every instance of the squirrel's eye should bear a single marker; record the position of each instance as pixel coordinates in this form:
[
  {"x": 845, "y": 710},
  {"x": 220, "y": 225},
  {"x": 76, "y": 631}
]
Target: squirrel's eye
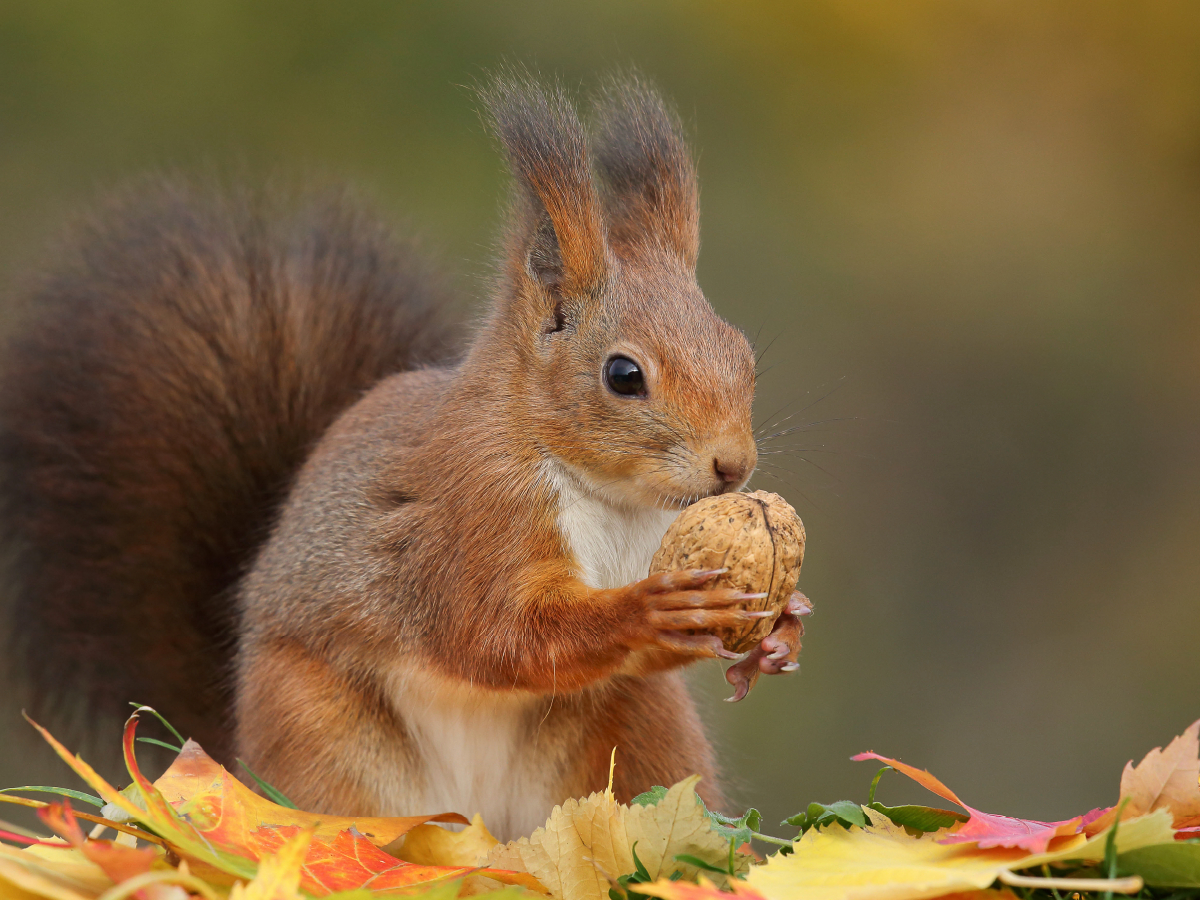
[{"x": 624, "y": 376}]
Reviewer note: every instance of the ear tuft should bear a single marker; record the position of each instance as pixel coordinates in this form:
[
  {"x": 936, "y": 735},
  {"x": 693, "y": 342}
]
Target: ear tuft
[
  {"x": 546, "y": 146},
  {"x": 652, "y": 193}
]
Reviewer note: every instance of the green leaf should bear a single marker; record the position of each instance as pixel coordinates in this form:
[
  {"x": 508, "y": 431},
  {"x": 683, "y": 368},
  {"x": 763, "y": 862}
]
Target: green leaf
[
  {"x": 844, "y": 812},
  {"x": 159, "y": 716},
  {"x": 919, "y": 818},
  {"x": 1164, "y": 865},
  {"x": 699, "y": 863},
  {"x": 273, "y": 793},
  {"x": 652, "y": 797},
  {"x": 64, "y": 792},
  {"x": 157, "y": 743},
  {"x": 875, "y": 784},
  {"x": 741, "y": 829},
  {"x": 916, "y": 820},
  {"x": 642, "y": 874}
]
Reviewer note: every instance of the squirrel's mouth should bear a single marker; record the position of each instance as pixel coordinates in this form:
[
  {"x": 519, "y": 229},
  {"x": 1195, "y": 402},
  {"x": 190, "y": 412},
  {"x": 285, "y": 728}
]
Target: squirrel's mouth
[{"x": 682, "y": 501}]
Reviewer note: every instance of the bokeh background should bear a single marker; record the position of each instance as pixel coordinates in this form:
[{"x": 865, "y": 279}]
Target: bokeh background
[{"x": 969, "y": 232}]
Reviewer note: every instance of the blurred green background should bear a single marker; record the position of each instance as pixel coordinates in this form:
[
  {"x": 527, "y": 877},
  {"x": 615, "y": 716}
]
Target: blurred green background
[{"x": 970, "y": 230}]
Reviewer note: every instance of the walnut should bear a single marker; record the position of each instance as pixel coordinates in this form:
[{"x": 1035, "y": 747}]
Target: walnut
[{"x": 757, "y": 536}]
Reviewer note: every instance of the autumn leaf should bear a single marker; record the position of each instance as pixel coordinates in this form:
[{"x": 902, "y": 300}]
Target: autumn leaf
[
  {"x": 702, "y": 890},
  {"x": 117, "y": 861},
  {"x": 435, "y": 846},
  {"x": 1165, "y": 779},
  {"x": 1133, "y": 834},
  {"x": 224, "y": 828},
  {"x": 200, "y": 789},
  {"x": 879, "y": 862},
  {"x": 986, "y": 829},
  {"x": 56, "y": 873},
  {"x": 587, "y": 844},
  {"x": 279, "y": 874}
]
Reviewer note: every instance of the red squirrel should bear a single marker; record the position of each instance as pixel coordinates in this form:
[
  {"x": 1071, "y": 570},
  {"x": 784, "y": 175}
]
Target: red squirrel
[{"x": 257, "y": 476}]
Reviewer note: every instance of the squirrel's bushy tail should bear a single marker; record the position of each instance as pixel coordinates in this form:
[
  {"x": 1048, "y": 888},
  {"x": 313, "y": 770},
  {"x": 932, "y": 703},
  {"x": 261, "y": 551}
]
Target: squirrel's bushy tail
[{"x": 172, "y": 373}]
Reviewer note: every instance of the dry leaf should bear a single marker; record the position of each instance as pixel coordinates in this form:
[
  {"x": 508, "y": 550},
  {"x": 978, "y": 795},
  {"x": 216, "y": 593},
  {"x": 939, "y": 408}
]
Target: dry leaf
[
  {"x": 673, "y": 826},
  {"x": 432, "y": 845},
  {"x": 586, "y": 844},
  {"x": 1166, "y": 779}
]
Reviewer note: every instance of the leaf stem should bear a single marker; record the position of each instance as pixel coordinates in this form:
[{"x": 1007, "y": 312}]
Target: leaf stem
[
  {"x": 1130, "y": 885},
  {"x": 771, "y": 840}
]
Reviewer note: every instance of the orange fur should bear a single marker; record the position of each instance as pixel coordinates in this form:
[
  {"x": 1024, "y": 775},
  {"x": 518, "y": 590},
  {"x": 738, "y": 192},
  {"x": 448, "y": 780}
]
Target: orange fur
[{"x": 450, "y": 607}]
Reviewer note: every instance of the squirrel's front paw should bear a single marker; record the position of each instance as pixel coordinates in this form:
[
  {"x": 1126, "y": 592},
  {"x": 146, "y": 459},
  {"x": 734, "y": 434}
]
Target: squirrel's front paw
[
  {"x": 674, "y": 609},
  {"x": 776, "y": 653}
]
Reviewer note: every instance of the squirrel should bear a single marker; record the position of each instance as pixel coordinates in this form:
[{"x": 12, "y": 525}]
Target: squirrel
[{"x": 257, "y": 475}]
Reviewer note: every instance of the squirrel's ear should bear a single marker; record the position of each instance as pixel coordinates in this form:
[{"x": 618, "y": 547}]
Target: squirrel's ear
[
  {"x": 560, "y": 228},
  {"x": 652, "y": 192}
]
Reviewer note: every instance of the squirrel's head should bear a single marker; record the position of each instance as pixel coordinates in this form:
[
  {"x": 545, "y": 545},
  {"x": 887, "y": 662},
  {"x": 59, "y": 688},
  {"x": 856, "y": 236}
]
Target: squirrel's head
[{"x": 622, "y": 372}]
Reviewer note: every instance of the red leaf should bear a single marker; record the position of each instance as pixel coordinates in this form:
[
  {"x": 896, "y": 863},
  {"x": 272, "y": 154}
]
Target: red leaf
[{"x": 986, "y": 829}]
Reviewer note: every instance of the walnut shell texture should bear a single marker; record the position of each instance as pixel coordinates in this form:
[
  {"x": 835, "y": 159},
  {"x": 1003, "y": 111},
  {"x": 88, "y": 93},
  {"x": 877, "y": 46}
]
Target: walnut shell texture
[{"x": 757, "y": 536}]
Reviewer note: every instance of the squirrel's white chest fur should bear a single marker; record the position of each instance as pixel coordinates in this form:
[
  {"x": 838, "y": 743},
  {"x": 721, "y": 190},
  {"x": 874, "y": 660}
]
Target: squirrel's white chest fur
[
  {"x": 612, "y": 545},
  {"x": 476, "y": 750}
]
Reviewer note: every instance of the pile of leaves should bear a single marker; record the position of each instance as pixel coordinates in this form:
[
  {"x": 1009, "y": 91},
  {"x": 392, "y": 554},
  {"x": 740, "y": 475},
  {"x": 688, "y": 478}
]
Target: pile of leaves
[{"x": 199, "y": 832}]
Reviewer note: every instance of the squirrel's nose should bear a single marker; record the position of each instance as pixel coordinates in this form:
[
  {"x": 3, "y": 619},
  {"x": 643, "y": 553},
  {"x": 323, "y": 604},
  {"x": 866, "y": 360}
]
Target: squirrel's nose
[{"x": 731, "y": 469}]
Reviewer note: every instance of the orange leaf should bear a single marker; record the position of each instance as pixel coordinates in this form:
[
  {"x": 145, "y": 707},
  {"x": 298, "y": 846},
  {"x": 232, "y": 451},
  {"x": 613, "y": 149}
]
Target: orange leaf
[
  {"x": 210, "y": 818},
  {"x": 345, "y": 851},
  {"x": 223, "y": 808},
  {"x": 986, "y": 829}
]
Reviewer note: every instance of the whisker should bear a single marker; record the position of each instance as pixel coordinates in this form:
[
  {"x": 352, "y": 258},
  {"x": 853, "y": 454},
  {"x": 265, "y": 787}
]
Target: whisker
[
  {"x": 807, "y": 425},
  {"x": 768, "y": 423}
]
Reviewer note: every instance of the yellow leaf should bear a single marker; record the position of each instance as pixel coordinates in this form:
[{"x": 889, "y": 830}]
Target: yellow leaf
[
  {"x": 880, "y": 862},
  {"x": 24, "y": 875},
  {"x": 71, "y": 867},
  {"x": 432, "y": 845},
  {"x": 581, "y": 846},
  {"x": 677, "y": 825},
  {"x": 586, "y": 844},
  {"x": 1132, "y": 834}
]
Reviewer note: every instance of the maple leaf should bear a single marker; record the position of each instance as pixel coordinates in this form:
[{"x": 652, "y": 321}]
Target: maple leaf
[
  {"x": 587, "y": 844},
  {"x": 986, "y": 829},
  {"x": 1166, "y": 779}
]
